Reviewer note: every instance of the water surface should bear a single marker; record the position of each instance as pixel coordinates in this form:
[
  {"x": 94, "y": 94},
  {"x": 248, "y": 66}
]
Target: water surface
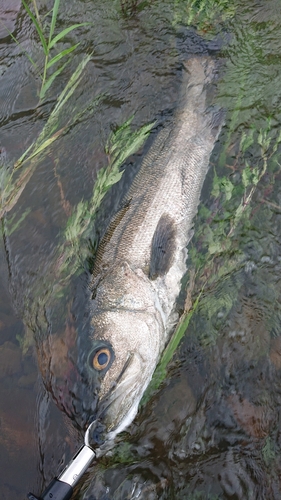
[{"x": 212, "y": 429}]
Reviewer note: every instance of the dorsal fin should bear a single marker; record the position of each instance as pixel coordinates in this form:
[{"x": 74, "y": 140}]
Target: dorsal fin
[{"x": 115, "y": 221}]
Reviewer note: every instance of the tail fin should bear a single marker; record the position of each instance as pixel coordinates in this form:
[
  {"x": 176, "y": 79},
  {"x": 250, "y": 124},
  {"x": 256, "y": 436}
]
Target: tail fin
[{"x": 200, "y": 69}]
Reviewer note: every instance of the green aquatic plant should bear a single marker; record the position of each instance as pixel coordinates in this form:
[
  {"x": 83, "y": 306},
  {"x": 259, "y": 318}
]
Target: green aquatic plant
[
  {"x": 231, "y": 195},
  {"x": 230, "y": 212},
  {"x": 122, "y": 143},
  {"x": 162, "y": 367},
  {"x": 268, "y": 451},
  {"x": 14, "y": 222},
  {"x": 128, "y": 7},
  {"x": 206, "y": 15},
  {"x": 225, "y": 190},
  {"x": 49, "y": 43},
  {"x": 15, "y": 178}
]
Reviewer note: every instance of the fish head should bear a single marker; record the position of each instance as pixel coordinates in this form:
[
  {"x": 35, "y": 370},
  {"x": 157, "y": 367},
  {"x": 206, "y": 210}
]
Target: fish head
[{"x": 127, "y": 338}]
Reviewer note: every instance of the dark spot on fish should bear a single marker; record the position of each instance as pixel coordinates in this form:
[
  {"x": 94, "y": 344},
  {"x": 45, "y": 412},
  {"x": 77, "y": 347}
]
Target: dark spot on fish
[{"x": 163, "y": 247}]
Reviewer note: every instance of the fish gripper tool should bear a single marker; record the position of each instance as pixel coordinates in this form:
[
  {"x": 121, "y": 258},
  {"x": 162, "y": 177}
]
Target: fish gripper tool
[{"x": 61, "y": 487}]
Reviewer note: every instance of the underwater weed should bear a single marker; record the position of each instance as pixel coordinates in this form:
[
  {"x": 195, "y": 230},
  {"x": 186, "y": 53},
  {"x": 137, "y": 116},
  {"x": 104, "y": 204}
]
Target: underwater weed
[
  {"x": 121, "y": 144},
  {"x": 13, "y": 183},
  {"x": 231, "y": 213},
  {"x": 49, "y": 42},
  {"x": 206, "y": 15}
]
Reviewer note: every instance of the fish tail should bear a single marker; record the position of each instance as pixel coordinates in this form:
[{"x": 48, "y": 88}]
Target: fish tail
[{"x": 200, "y": 70}]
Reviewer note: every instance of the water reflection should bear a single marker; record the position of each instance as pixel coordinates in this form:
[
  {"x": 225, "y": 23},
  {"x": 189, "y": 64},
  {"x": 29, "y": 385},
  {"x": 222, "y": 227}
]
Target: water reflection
[{"x": 212, "y": 431}]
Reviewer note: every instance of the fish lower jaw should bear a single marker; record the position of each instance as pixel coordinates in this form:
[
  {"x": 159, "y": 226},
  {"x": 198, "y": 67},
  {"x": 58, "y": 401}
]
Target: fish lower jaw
[
  {"x": 127, "y": 420},
  {"x": 110, "y": 441}
]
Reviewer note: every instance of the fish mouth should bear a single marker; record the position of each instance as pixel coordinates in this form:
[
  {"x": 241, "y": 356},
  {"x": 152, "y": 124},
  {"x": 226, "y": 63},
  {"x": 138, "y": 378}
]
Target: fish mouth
[{"x": 117, "y": 409}]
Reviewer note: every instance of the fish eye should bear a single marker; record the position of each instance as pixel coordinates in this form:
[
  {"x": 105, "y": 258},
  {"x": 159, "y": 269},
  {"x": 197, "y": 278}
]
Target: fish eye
[{"x": 101, "y": 359}]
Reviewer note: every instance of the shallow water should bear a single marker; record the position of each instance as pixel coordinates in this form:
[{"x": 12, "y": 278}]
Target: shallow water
[{"x": 212, "y": 430}]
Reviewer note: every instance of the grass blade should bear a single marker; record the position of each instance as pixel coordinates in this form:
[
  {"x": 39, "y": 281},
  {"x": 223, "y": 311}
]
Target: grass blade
[
  {"x": 178, "y": 335},
  {"x": 20, "y": 45},
  {"x": 14, "y": 223},
  {"x": 21, "y": 159},
  {"x": 39, "y": 146},
  {"x": 114, "y": 139},
  {"x": 38, "y": 28},
  {"x": 36, "y": 12},
  {"x": 64, "y": 33},
  {"x": 61, "y": 100},
  {"x": 84, "y": 113},
  {"x": 46, "y": 143},
  {"x": 67, "y": 95},
  {"x": 54, "y": 20},
  {"x": 80, "y": 223},
  {"x": 50, "y": 80},
  {"x": 161, "y": 370},
  {"x": 70, "y": 86},
  {"x": 133, "y": 142},
  {"x": 12, "y": 192},
  {"x": 60, "y": 55}
]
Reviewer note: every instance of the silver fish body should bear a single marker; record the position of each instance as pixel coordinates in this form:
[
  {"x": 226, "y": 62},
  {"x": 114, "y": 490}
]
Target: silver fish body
[{"x": 142, "y": 257}]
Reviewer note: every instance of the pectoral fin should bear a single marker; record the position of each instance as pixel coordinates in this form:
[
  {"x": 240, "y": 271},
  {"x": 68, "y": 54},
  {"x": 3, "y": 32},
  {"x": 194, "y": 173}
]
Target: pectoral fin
[{"x": 163, "y": 247}]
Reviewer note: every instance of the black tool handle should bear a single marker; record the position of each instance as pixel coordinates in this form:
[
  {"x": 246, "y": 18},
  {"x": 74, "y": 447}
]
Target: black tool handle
[{"x": 57, "y": 490}]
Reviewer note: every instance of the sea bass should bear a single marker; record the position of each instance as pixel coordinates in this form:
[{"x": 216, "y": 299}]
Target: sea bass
[{"x": 142, "y": 257}]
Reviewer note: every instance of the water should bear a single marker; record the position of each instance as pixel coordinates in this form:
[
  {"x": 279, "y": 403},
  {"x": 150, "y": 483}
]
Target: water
[{"x": 212, "y": 430}]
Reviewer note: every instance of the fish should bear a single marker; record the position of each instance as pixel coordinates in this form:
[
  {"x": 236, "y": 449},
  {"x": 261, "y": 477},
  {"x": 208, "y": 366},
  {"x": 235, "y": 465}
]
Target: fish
[{"x": 142, "y": 258}]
